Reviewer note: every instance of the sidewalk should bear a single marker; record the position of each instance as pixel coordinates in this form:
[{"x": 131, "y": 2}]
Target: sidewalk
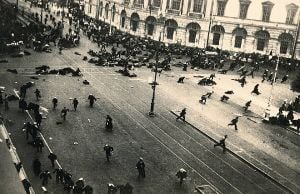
[
  {"x": 260, "y": 161},
  {"x": 10, "y": 179}
]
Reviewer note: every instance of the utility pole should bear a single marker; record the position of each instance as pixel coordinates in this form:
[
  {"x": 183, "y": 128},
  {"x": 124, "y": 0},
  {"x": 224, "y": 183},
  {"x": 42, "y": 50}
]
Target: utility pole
[
  {"x": 151, "y": 113},
  {"x": 297, "y": 36},
  {"x": 210, "y": 21},
  {"x": 42, "y": 11}
]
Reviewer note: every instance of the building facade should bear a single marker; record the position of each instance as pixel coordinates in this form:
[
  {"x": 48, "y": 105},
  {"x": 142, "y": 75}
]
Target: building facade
[{"x": 249, "y": 26}]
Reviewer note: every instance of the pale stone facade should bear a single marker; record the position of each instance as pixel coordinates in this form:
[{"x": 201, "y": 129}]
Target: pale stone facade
[{"x": 238, "y": 25}]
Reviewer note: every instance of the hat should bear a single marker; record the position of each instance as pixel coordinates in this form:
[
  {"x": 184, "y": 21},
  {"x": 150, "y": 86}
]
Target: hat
[{"x": 141, "y": 158}]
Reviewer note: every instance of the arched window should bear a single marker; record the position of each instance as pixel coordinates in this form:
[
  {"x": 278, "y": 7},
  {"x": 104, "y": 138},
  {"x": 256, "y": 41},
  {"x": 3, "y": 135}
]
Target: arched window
[
  {"x": 90, "y": 6},
  {"x": 123, "y": 18},
  {"x": 113, "y": 11},
  {"x": 171, "y": 26},
  {"x": 192, "y": 29},
  {"x": 106, "y": 11},
  {"x": 286, "y": 41},
  {"x": 262, "y": 38},
  {"x": 150, "y": 23},
  {"x": 217, "y": 31},
  {"x": 240, "y": 34},
  {"x": 100, "y": 8},
  {"x": 134, "y": 19}
]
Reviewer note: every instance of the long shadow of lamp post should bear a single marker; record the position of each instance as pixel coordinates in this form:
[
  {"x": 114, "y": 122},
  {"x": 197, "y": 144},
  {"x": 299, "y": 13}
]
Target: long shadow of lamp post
[{"x": 154, "y": 83}]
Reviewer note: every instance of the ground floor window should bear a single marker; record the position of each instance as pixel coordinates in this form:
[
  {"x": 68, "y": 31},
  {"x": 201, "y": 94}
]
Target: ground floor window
[
  {"x": 134, "y": 25},
  {"x": 150, "y": 29},
  {"x": 216, "y": 39},
  {"x": 192, "y": 36},
  {"x": 170, "y": 33},
  {"x": 123, "y": 22},
  {"x": 284, "y": 47},
  {"x": 238, "y": 41},
  {"x": 260, "y": 44}
]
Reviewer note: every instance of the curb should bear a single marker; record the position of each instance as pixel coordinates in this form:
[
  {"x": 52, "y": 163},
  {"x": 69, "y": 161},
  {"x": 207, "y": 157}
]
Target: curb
[
  {"x": 14, "y": 155},
  {"x": 279, "y": 183}
]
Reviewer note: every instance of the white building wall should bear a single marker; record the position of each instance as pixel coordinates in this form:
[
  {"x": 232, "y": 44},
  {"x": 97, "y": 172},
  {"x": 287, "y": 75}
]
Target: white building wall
[{"x": 229, "y": 21}]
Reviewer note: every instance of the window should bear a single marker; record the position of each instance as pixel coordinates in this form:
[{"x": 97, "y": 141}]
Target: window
[
  {"x": 284, "y": 47},
  {"x": 193, "y": 28},
  {"x": 134, "y": 25},
  {"x": 192, "y": 36},
  {"x": 123, "y": 21},
  {"x": 221, "y": 7},
  {"x": 156, "y": 3},
  {"x": 150, "y": 29},
  {"x": 171, "y": 26},
  {"x": 126, "y": 2},
  {"x": 197, "y": 6},
  {"x": 286, "y": 41},
  {"x": 260, "y": 44},
  {"x": 216, "y": 38},
  {"x": 262, "y": 38},
  {"x": 267, "y": 8},
  {"x": 90, "y": 6},
  {"x": 90, "y": 9},
  {"x": 240, "y": 34},
  {"x": 139, "y": 3},
  {"x": 170, "y": 32},
  {"x": 291, "y": 12},
  {"x": 123, "y": 18},
  {"x": 113, "y": 16},
  {"x": 217, "y": 31},
  {"x": 238, "y": 41},
  {"x": 244, "y": 5},
  {"x": 106, "y": 11},
  {"x": 150, "y": 23},
  {"x": 135, "y": 19},
  {"x": 100, "y": 9},
  {"x": 176, "y": 4}
]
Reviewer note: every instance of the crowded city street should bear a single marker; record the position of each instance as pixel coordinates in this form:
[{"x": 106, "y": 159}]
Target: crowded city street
[{"x": 183, "y": 129}]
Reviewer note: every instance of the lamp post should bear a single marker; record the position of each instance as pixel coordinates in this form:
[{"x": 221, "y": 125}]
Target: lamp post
[
  {"x": 112, "y": 14},
  {"x": 268, "y": 109},
  {"x": 296, "y": 39},
  {"x": 154, "y": 83},
  {"x": 210, "y": 21},
  {"x": 42, "y": 11},
  {"x": 151, "y": 113}
]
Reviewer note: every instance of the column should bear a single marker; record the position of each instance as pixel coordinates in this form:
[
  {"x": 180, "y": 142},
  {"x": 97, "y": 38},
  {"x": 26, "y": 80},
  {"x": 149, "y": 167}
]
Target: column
[
  {"x": 164, "y": 6},
  {"x": 146, "y": 4},
  {"x": 131, "y": 3},
  {"x": 186, "y": 6}
]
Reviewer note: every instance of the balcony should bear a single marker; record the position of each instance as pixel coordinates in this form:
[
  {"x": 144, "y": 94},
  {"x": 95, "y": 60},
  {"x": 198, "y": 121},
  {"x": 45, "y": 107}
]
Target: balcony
[
  {"x": 195, "y": 15},
  {"x": 173, "y": 12},
  {"x": 140, "y": 6}
]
